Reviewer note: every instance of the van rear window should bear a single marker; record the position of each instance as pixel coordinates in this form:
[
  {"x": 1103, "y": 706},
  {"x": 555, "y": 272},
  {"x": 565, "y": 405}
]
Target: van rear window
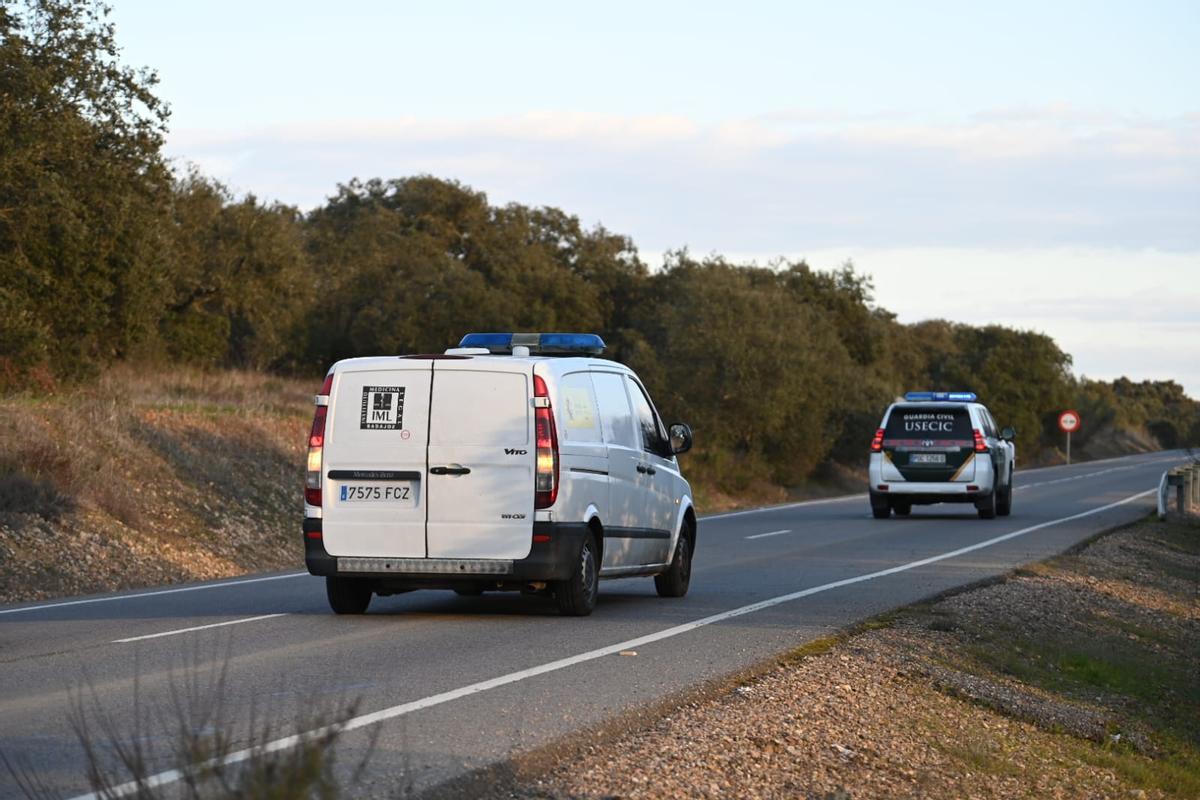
[
  {"x": 928, "y": 422},
  {"x": 478, "y": 408}
]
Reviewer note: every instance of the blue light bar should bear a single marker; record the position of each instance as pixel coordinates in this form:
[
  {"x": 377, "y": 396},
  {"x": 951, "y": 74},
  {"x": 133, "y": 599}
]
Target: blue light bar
[
  {"x": 588, "y": 343},
  {"x": 941, "y": 397},
  {"x": 495, "y": 342},
  {"x": 539, "y": 343}
]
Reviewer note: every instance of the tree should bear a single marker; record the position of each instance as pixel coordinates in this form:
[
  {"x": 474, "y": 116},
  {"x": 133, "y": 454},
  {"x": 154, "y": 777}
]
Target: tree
[
  {"x": 240, "y": 281},
  {"x": 755, "y": 370},
  {"x": 410, "y": 265},
  {"x": 83, "y": 190}
]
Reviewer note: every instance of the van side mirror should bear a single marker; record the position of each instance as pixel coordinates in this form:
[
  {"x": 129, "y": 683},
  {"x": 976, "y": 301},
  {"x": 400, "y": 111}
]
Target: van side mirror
[
  {"x": 681, "y": 438},
  {"x": 1008, "y": 433}
]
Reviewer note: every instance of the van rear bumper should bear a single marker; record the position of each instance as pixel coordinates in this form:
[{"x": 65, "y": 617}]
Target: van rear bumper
[{"x": 551, "y": 559}]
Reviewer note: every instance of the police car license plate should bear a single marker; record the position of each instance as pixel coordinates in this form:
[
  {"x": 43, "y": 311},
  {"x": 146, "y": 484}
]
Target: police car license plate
[
  {"x": 400, "y": 494},
  {"x": 927, "y": 458}
]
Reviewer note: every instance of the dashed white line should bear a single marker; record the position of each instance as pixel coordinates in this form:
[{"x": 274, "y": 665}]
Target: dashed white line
[
  {"x": 784, "y": 507},
  {"x": 771, "y": 533},
  {"x": 1090, "y": 474},
  {"x": 155, "y": 593},
  {"x": 178, "y": 631},
  {"x": 375, "y": 717}
]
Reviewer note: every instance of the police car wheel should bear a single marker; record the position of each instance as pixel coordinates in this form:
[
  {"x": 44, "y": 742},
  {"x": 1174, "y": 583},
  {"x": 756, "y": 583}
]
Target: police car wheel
[
  {"x": 881, "y": 508},
  {"x": 987, "y": 506},
  {"x": 674, "y": 582},
  {"x": 1004, "y": 502},
  {"x": 347, "y": 595},
  {"x": 902, "y": 508},
  {"x": 576, "y": 596}
]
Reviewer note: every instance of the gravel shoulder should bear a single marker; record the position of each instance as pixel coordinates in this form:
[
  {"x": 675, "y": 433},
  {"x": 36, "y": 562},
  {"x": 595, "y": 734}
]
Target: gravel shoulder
[{"x": 1071, "y": 678}]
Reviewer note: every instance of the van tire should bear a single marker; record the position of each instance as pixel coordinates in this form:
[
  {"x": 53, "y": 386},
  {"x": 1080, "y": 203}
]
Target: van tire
[
  {"x": 348, "y": 595},
  {"x": 576, "y": 596},
  {"x": 675, "y": 581},
  {"x": 902, "y": 507}
]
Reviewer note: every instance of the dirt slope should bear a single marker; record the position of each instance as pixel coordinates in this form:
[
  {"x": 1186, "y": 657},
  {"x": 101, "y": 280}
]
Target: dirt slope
[{"x": 142, "y": 480}]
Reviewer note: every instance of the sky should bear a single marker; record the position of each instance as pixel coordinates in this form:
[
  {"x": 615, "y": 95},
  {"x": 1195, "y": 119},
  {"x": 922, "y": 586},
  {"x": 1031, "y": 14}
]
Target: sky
[{"x": 1030, "y": 164}]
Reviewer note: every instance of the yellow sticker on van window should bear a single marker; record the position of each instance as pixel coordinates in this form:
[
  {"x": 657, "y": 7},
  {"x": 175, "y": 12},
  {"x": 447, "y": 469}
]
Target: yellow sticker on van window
[{"x": 579, "y": 409}]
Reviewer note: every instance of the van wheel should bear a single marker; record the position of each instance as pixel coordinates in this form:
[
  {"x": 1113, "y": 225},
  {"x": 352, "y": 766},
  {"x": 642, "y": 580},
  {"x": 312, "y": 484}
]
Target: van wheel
[
  {"x": 576, "y": 596},
  {"x": 348, "y": 595},
  {"x": 987, "y": 506},
  {"x": 674, "y": 582},
  {"x": 1004, "y": 502}
]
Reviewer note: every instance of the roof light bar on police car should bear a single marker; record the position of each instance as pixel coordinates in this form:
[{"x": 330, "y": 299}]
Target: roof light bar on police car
[
  {"x": 538, "y": 343},
  {"x": 941, "y": 397}
]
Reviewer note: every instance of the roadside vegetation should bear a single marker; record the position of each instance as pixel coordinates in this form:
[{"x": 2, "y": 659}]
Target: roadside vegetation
[
  {"x": 1074, "y": 678},
  {"x": 109, "y": 254},
  {"x": 159, "y": 336},
  {"x": 217, "y": 749}
]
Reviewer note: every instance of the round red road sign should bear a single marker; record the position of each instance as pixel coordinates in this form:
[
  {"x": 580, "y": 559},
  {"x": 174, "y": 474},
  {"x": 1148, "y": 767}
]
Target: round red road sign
[{"x": 1068, "y": 421}]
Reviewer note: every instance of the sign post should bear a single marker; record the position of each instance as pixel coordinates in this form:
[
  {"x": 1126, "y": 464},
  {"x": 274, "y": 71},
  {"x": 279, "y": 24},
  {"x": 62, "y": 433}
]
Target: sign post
[{"x": 1068, "y": 421}]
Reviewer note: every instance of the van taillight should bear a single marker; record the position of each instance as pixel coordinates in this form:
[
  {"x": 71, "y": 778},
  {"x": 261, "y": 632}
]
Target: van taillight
[
  {"x": 546, "y": 436},
  {"x": 316, "y": 443},
  {"x": 980, "y": 442},
  {"x": 877, "y": 442}
]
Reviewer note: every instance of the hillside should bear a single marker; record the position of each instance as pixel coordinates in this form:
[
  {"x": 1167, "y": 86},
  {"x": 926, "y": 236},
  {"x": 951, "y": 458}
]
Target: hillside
[{"x": 139, "y": 480}]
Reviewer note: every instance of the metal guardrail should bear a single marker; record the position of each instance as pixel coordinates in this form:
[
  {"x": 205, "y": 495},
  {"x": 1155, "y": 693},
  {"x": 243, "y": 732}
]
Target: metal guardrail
[{"x": 1186, "y": 483}]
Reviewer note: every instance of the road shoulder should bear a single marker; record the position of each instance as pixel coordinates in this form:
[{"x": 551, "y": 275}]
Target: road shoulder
[{"x": 1073, "y": 677}]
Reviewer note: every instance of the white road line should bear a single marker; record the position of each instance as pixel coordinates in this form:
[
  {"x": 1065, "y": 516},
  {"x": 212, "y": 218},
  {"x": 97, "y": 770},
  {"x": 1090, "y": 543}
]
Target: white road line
[
  {"x": 375, "y": 717},
  {"x": 785, "y": 506},
  {"x": 843, "y": 498},
  {"x": 1145, "y": 456},
  {"x": 195, "y": 628},
  {"x": 1093, "y": 474},
  {"x": 772, "y": 533},
  {"x": 177, "y": 590}
]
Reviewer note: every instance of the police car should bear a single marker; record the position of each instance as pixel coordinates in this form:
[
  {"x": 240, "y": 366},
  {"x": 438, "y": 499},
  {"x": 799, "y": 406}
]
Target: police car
[
  {"x": 941, "y": 447},
  {"x": 511, "y": 462}
]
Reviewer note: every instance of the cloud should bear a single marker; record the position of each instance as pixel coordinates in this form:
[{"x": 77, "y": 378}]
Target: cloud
[
  {"x": 1078, "y": 223},
  {"x": 1044, "y": 177},
  {"x": 1130, "y": 312}
]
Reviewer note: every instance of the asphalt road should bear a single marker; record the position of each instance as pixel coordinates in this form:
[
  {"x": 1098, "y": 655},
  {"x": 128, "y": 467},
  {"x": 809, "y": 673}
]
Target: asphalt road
[{"x": 445, "y": 685}]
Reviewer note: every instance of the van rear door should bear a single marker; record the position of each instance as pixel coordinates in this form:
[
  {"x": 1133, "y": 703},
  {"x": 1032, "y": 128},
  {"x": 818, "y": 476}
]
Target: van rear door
[
  {"x": 374, "y": 460},
  {"x": 481, "y": 460}
]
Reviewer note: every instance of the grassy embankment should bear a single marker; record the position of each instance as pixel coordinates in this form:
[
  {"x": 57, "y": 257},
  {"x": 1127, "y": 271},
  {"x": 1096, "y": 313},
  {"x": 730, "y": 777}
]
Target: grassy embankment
[{"x": 145, "y": 479}]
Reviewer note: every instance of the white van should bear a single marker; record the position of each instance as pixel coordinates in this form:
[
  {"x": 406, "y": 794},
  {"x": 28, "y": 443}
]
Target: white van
[{"x": 512, "y": 462}]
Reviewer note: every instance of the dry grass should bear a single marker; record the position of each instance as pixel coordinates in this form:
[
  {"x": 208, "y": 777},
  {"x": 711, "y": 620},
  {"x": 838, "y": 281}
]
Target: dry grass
[
  {"x": 194, "y": 730},
  {"x": 142, "y": 479}
]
